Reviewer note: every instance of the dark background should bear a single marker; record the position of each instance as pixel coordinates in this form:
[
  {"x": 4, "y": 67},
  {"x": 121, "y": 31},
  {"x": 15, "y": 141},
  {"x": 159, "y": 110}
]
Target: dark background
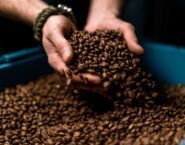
[
  {"x": 159, "y": 20},
  {"x": 166, "y": 21}
]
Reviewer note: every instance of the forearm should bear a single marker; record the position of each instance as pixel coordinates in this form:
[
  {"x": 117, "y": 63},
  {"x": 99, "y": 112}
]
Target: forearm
[
  {"x": 23, "y": 10},
  {"x": 110, "y": 8}
]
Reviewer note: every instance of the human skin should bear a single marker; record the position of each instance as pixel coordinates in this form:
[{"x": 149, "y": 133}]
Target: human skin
[
  {"x": 103, "y": 14},
  {"x": 22, "y": 10}
]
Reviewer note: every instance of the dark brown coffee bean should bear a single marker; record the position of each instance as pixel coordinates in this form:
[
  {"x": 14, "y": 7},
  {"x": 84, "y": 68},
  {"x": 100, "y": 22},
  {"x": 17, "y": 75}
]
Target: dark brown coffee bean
[
  {"x": 68, "y": 82},
  {"x": 106, "y": 84},
  {"x": 94, "y": 66},
  {"x": 90, "y": 70},
  {"x": 46, "y": 111},
  {"x": 2, "y": 139},
  {"x": 49, "y": 141},
  {"x": 81, "y": 66},
  {"x": 100, "y": 128},
  {"x": 104, "y": 75},
  {"x": 104, "y": 64},
  {"x": 76, "y": 134}
]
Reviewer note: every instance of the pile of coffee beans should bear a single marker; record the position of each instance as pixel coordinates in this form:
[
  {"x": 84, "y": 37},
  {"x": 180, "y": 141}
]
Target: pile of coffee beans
[
  {"x": 46, "y": 112},
  {"x": 105, "y": 53}
]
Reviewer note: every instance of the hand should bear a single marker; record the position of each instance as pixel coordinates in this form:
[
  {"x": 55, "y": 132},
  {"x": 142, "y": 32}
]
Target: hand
[
  {"x": 93, "y": 84},
  {"x": 100, "y": 21},
  {"x": 55, "y": 32},
  {"x": 59, "y": 51},
  {"x": 113, "y": 23}
]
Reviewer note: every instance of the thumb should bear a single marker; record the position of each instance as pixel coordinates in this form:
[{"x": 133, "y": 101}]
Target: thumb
[
  {"x": 90, "y": 28},
  {"x": 130, "y": 37}
]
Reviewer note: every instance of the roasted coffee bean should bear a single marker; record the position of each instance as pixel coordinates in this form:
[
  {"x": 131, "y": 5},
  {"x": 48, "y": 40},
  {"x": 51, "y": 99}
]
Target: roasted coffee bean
[
  {"x": 106, "y": 84},
  {"x": 56, "y": 115},
  {"x": 104, "y": 75},
  {"x": 46, "y": 111},
  {"x": 90, "y": 71},
  {"x": 76, "y": 134},
  {"x": 68, "y": 82},
  {"x": 2, "y": 139},
  {"x": 106, "y": 54}
]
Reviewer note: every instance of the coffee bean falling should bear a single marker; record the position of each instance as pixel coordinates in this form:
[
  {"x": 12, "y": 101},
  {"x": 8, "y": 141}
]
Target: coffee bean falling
[
  {"x": 45, "y": 112},
  {"x": 105, "y": 53}
]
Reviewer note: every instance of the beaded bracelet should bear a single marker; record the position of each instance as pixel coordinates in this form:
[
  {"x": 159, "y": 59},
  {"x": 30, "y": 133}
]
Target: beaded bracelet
[{"x": 45, "y": 13}]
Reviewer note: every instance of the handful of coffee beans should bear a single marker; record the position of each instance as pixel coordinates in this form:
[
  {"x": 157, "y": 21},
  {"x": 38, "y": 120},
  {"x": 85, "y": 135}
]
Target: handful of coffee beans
[{"x": 105, "y": 53}]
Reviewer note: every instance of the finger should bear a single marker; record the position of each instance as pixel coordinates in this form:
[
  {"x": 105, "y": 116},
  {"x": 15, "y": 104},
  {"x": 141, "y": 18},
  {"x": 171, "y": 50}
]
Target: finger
[
  {"x": 130, "y": 37},
  {"x": 86, "y": 78},
  {"x": 62, "y": 45},
  {"x": 93, "y": 88},
  {"x": 90, "y": 28},
  {"x": 73, "y": 27},
  {"x": 54, "y": 59},
  {"x": 57, "y": 63}
]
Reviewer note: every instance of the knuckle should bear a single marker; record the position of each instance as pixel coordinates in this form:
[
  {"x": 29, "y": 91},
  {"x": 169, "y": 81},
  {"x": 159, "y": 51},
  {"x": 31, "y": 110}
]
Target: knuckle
[{"x": 49, "y": 30}]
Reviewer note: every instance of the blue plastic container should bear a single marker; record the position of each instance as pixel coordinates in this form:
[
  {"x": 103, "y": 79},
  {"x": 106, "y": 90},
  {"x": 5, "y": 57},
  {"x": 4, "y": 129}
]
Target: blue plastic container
[
  {"x": 23, "y": 66},
  {"x": 165, "y": 62}
]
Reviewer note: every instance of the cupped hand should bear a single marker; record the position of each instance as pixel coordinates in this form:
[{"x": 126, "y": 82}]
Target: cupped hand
[
  {"x": 59, "y": 51},
  {"x": 114, "y": 23},
  {"x": 55, "y": 33},
  {"x": 106, "y": 22}
]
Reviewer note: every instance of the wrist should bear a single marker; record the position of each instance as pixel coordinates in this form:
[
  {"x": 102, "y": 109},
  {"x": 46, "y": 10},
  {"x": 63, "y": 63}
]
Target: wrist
[
  {"x": 46, "y": 13},
  {"x": 100, "y": 17},
  {"x": 106, "y": 7},
  {"x": 109, "y": 10}
]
